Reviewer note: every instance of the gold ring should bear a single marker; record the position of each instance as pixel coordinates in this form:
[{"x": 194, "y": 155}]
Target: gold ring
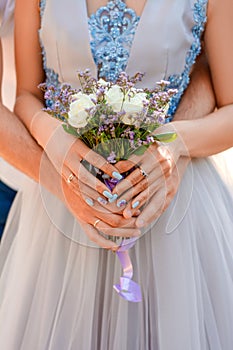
[
  {"x": 143, "y": 172},
  {"x": 96, "y": 222},
  {"x": 70, "y": 178}
]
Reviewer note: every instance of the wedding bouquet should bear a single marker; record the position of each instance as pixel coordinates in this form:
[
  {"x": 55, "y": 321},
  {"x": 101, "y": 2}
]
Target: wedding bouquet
[{"x": 116, "y": 120}]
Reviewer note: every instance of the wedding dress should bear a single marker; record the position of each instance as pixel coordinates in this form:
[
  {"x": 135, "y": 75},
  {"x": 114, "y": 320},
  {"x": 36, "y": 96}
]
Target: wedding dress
[
  {"x": 10, "y": 178},
  {"x": 56, "y": 287}
]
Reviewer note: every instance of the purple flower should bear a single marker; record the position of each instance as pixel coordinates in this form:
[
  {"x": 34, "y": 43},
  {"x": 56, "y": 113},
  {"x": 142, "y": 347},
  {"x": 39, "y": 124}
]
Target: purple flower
[{"x": 112, "y": 158}]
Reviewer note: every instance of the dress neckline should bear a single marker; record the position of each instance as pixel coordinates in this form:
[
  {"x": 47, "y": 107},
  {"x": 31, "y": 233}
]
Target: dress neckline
[
  {"x": 120, "y": 4},
  {"x": 112, "y": 29},
  {"x": 114, "y": 3}
]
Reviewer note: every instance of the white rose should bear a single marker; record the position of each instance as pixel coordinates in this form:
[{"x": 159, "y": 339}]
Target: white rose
[
  {"x": 114, "y": 97},
  {"x": 77, "y": 115},
  {"x": 134, "y": 102}
]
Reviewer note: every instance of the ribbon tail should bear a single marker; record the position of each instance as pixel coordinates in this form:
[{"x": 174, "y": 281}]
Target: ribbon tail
[{"x": 127, "y": 288}]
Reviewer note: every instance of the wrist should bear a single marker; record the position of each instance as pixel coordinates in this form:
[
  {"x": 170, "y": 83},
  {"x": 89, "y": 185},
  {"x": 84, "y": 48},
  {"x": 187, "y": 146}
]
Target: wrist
[{"x": 43, "y": 127}]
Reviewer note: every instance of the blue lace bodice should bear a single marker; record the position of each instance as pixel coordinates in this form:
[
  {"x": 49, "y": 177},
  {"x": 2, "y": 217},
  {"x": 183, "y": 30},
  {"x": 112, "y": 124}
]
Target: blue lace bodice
[
  {"x": 169, "y": 51},
  {"x": 112, "y": 30}
]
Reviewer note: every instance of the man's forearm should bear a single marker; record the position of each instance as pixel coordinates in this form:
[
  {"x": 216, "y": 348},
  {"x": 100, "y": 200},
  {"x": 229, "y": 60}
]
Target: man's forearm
[
  {"x": 199, "y": 99},
  {"x": 17, "y": 146}
]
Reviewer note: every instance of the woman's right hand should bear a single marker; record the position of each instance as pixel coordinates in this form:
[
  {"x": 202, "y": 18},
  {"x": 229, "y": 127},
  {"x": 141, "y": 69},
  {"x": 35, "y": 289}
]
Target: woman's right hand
[
  {"x": 67, "y": 154},
  {"x": 96, "y": 220}
]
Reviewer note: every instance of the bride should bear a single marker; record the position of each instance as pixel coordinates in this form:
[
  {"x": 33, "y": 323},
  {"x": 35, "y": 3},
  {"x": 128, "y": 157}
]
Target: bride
[
  {"x": 26, "y": 157},
  {"x": 184, "y": 260}
]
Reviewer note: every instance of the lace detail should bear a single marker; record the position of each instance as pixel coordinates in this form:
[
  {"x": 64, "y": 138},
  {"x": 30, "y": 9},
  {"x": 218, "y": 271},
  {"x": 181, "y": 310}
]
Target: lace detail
[
  {"x": 51, "y": 77},
  {"x": 180, "y": 82},
  {"x": 42, "y": 4},
  {"x": 112, "y": 29}
]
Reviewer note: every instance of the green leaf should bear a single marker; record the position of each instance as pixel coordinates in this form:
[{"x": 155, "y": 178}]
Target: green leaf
[
  {"x": 166, "y": 137},
  {"x": 70, "y": 130},
  {"x": 140, "y": 150}
]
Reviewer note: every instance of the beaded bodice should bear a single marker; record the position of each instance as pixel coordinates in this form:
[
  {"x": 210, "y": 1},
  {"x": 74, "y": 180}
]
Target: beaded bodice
[
  {"x": 6, "y": 16},
  {"x": 163, "y": 43},
  {"x": 112, "y": 30}
]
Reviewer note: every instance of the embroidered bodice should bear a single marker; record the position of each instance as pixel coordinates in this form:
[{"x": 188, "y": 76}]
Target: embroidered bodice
[
  {"x": 163, "y": 43},
  {"x": 112, "y": 30}
]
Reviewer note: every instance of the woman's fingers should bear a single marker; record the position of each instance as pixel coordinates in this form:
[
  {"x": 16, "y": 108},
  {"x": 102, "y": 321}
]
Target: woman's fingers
[
  {"x": 161, "y": 199},
  {"x": 78, "y": 174},
  {"x": 154, "y": 161},
  {"x": 143, "y": 197},
  {"x": 96, "y": 230},
  {"x": 96, "y": 160},
  {"x": 104, "y": 212},
  {"x": 153, "y": 209},
  {"x": 116, "y": 231},
  {"x": 95, "y": 237}
]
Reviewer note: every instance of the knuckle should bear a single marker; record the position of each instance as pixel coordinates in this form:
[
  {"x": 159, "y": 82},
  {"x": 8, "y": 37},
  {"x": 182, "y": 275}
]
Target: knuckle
[
  {"x": 116, "y": 222},
  {"x": 143, "y": 185}
]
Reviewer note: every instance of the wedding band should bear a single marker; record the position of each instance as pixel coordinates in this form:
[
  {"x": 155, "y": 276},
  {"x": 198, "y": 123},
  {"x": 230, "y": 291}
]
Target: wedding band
[
  {"x": 143, "y": 172},
  {"x": 70, "y": 178},
  {"x": 96, "y": 222}
]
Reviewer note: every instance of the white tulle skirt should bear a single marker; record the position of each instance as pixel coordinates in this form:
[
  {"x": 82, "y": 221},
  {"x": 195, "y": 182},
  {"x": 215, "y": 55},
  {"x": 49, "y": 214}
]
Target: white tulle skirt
[{"x": 56, "y": 288}]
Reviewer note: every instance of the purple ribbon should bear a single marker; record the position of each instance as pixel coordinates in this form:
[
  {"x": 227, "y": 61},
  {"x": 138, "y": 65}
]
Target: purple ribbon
[{"x": 127, "y": 289}]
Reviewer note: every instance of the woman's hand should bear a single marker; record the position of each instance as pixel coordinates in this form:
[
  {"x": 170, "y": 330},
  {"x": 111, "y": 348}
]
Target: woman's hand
[
  {"x": 198, "y": 101},
  {"x": 68, "y": 153},
  {"x": 96, "y": 220},
  {"x": 154, "y": 193},
  {"x": 161, "y": 199}
]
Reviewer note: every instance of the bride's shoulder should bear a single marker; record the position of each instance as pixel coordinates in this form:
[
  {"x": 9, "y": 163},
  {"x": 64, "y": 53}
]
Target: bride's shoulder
[{"x": 6, "y": 16}]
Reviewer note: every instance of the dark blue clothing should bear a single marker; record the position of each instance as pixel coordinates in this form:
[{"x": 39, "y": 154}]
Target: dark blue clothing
[{"x": 7, "y": 196}]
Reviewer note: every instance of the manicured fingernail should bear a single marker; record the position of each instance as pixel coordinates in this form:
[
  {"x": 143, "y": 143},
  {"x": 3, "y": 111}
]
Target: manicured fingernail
[
  {"x": 140, "y": 223},
  {"x": 102, "y": 200},
  {"x": 121, "y": 203},
  {"x": 114, "y": 197},
  {"x": 135, "y": 204},
  {"x": 89, "y": 201},
  {"x": 128, "y": 213},
  {"x": 107, "y": 194},
  {"x": 117, "y": 175},
  {"x": 105, "y": 176}
]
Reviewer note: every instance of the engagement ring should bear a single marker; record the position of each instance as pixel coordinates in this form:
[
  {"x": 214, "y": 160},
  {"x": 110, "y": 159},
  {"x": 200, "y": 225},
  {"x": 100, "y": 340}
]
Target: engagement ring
[
  {"x": 143, "y": 172},
  {"x": 70, "y": 178},
  {"x": 96, "y": 222}
]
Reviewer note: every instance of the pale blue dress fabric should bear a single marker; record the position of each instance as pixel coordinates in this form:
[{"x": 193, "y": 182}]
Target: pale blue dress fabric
[
  {"x": 6, "y": 16},
  {"x": 56, "y": 286}
]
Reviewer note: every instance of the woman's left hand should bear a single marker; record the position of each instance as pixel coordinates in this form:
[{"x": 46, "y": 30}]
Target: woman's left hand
[
  {"x": 156, "y": 173},
  {"x": 159, "y": 201}
]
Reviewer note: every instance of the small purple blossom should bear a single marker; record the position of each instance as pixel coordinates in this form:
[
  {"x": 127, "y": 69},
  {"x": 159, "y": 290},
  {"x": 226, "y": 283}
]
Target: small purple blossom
[
  {"x": 112, "y": 158},
  {"x": 105, "y": 130}
]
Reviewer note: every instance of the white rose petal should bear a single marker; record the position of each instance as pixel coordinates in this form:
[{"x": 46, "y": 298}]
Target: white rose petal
[
  {"x": 103, "y": 82},
  {"x": 127, "y": 119},
  {"x": 114, "y": 97},
  {"x": 134, "y": 104},
  {"x": 77, "y": 115}
]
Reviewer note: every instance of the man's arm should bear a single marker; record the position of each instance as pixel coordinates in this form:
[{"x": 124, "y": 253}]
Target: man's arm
[{"x": 199, "y": 98}]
